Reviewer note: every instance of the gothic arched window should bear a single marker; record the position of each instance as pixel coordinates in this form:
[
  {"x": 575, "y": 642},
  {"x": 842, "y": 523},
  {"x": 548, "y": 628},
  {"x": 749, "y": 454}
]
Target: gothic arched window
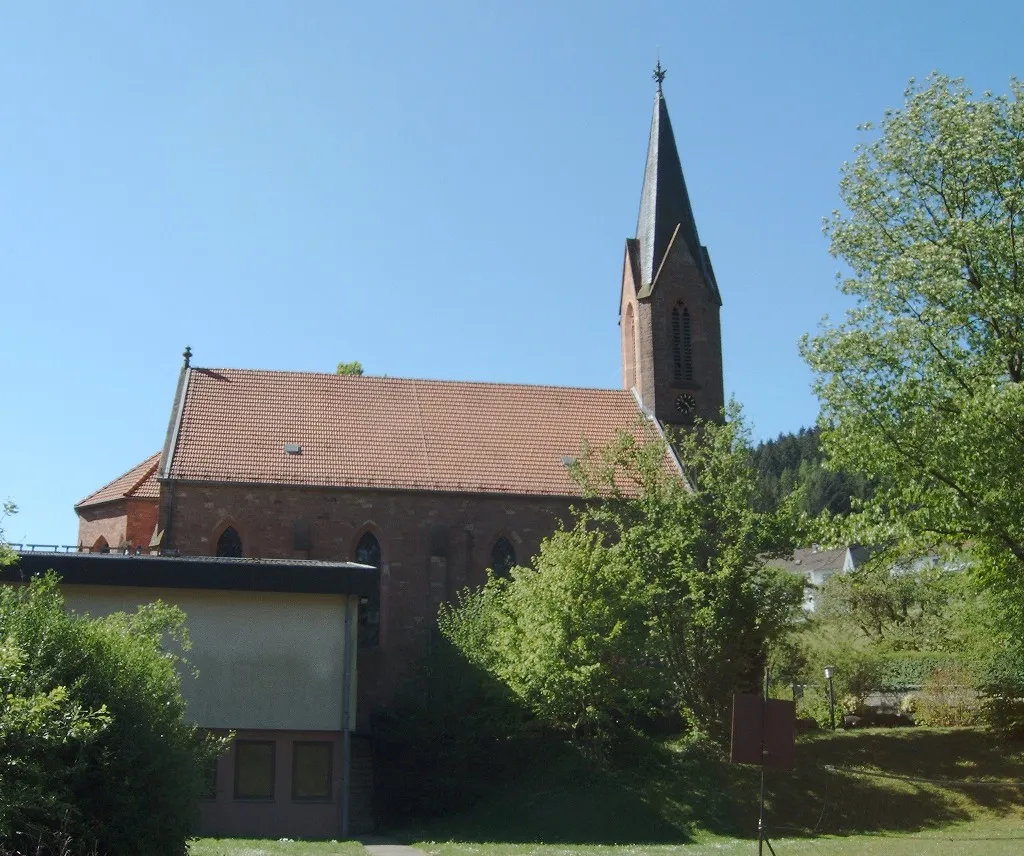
[
  {"x": 229, "y": 544},
  {"x": 682, "y": 348},
  {"x": 367, "y": 552},
  {"x": 101, "y": 546},
  {"x": 503, "y": 557}
]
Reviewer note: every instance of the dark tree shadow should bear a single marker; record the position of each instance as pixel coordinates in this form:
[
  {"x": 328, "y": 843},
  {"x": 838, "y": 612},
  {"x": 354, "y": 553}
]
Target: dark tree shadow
[
  {"x": 830, "y": 790},
  {"x": 641, "y": 791}
]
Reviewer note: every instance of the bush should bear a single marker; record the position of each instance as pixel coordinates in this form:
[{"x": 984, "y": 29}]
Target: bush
[
  {"x": 98, "y": 755},
  {"x": 902, "y": 671},
  {"x": 813, "y": 704},
  {"x": 948, "y": 699},
  {"x": 655, "y": 604},
  {"x": 856, "y": 669},
  {"x": 1002, "y": 690}
]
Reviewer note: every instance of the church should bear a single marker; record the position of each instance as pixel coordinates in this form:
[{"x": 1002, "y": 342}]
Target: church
[{"x": 431, "y": 481}]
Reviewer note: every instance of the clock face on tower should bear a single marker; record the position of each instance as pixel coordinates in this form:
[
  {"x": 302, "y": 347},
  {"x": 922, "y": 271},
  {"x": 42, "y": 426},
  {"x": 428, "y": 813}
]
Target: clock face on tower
[{"x": 686, "y": 403}]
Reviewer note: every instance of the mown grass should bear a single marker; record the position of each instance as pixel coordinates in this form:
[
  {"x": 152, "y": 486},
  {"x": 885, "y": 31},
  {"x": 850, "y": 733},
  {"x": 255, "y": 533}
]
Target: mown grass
[
  {"x": 1001, "y": 837},
  {"x": 998, "y": 837}
]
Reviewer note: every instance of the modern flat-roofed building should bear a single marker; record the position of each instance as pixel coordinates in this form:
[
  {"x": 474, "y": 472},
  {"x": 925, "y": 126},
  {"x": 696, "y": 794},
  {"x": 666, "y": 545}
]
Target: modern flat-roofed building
[{"x": 274, "y": 652}]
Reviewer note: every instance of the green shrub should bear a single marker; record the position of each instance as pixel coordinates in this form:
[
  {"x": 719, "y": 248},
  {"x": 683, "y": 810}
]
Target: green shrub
[
  {"x": 98, "y": 755},
  {"x": 655, "y": 603},
  {"x": 1002, "y": 690},
  {"x": 813, "y": 704},
  {"x": 856, "y": 669},
  {"x": 902, "y": 671},
  {"x": 948, "y": 699}
]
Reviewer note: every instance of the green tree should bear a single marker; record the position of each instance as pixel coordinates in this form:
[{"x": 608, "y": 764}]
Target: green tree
[
  {"x": 796, "y": 461},
  {"x": 657, "y": 599},
  {"x": 97, "y": 755},
  {"x": 920, "y": 385},
  {"x": 913, "y": 608},
  {"x": 7, "y": 555},
  {"x": 353, "y": 369}
]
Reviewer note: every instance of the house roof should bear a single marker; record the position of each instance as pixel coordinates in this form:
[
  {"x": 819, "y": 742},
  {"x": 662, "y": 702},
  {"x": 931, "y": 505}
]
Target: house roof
[
  {"x": 139, "y": 482},
  {"x": 809, "y": 559},
  {"x": 195, "y": 572},
  {"x": 396, "y": 433}
]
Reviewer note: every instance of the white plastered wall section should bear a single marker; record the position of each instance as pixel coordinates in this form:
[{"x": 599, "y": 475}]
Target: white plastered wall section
[{"x": 265, "y": 660}]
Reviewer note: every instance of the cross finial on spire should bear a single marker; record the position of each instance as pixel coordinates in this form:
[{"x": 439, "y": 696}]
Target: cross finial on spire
[
  {"x": 659, "y": 74},
  {"x": 188, "y": 356}
]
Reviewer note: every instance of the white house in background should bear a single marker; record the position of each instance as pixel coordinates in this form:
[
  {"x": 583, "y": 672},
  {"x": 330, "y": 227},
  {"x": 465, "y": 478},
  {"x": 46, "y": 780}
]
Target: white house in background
[{"x": 816, "y": 566}]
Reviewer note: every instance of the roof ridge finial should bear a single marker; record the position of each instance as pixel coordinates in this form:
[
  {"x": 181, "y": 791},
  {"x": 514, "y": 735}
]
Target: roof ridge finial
[
  {"x": 659, "y": 74},
  {"x": 187, "y": 354}
]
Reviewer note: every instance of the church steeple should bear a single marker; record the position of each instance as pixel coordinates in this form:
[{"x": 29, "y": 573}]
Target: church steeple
[
  {"x": 671, "y": 342},
  {"x": 664, "y": 201}
]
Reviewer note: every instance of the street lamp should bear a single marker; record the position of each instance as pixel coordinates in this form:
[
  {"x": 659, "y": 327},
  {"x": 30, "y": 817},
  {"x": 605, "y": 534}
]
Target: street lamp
[{"x": 829, "y": 671}]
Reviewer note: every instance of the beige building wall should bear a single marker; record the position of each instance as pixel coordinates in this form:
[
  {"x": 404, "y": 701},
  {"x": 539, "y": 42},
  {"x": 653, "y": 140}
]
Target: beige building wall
[{"x": 265, "y": 660}]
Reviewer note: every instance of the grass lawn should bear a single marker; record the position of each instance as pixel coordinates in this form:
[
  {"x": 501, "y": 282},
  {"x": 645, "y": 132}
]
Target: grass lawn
[
  {"x": 659, "y": 800},
  {"x": 1003, "y": 837}
]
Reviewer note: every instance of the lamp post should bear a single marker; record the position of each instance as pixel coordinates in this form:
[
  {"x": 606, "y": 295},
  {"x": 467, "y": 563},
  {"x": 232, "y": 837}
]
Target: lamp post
[{"x": 829, "y": 671}]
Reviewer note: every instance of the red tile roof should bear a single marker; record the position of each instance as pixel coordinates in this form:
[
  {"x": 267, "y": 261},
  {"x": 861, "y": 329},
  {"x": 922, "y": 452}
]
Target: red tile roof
[
  {"x": 139, "y": 482},
  {"x": 391, "y": 432}
]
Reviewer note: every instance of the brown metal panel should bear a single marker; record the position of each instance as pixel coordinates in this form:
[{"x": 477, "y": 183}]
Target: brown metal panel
[
  {"x": 746, "y": 729},
  {"x": 780, "y": 734},
  {"x": 772, "y": 726}
]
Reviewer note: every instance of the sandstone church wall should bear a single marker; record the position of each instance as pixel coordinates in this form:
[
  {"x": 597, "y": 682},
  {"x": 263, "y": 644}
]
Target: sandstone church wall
[{"x": 108, "y": 521}]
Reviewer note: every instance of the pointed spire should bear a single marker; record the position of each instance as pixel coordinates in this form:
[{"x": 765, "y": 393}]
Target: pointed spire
[{"x": 664, "y": 202}]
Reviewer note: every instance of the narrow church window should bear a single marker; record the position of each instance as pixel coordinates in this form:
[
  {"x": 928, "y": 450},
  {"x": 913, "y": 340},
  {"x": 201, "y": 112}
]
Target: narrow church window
[
  {"x": 677, "y": 350},
  {"x": 503, "y": 557},
  {"x": 687, "y": 349},
  {"x": 229, "y": 544},
  {"x": 101, "y": 546},
  {"x": 368, "y": 553},
  {"x": 682, "y": 350}
]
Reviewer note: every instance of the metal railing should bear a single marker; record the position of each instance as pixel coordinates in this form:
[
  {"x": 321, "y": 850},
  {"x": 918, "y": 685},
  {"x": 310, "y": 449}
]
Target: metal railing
[{"x": 81, "y": 548}]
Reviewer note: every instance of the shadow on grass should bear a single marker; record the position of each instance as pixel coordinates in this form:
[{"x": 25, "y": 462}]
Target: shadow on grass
[
  {"x": 566, "y": 797},
  {"x": 649, "y": 792},
  {"x": 813, "y": 799}
]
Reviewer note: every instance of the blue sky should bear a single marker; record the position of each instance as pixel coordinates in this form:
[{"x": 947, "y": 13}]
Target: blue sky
[{"x": 436, "y": 189}]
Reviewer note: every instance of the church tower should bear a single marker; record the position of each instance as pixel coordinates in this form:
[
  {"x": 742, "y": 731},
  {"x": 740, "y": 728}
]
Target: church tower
[{"x": 669, "y": 311}]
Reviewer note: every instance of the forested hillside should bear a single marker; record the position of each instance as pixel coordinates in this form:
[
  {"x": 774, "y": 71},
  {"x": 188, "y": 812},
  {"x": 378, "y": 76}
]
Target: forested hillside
[{"x": 795, "y": 460}]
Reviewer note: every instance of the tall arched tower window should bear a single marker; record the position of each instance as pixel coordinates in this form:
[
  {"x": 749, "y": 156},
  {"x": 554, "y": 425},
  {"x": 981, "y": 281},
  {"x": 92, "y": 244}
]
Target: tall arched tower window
[
  {"x": 101, "y": 546},
  {"x": 367, "y": 552},
  {"x": 229, "y": 544},
  {"x": 629, "y": 348},
  {"x": 682, "y": 347},
  {"x": 503, "y": 557}
]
